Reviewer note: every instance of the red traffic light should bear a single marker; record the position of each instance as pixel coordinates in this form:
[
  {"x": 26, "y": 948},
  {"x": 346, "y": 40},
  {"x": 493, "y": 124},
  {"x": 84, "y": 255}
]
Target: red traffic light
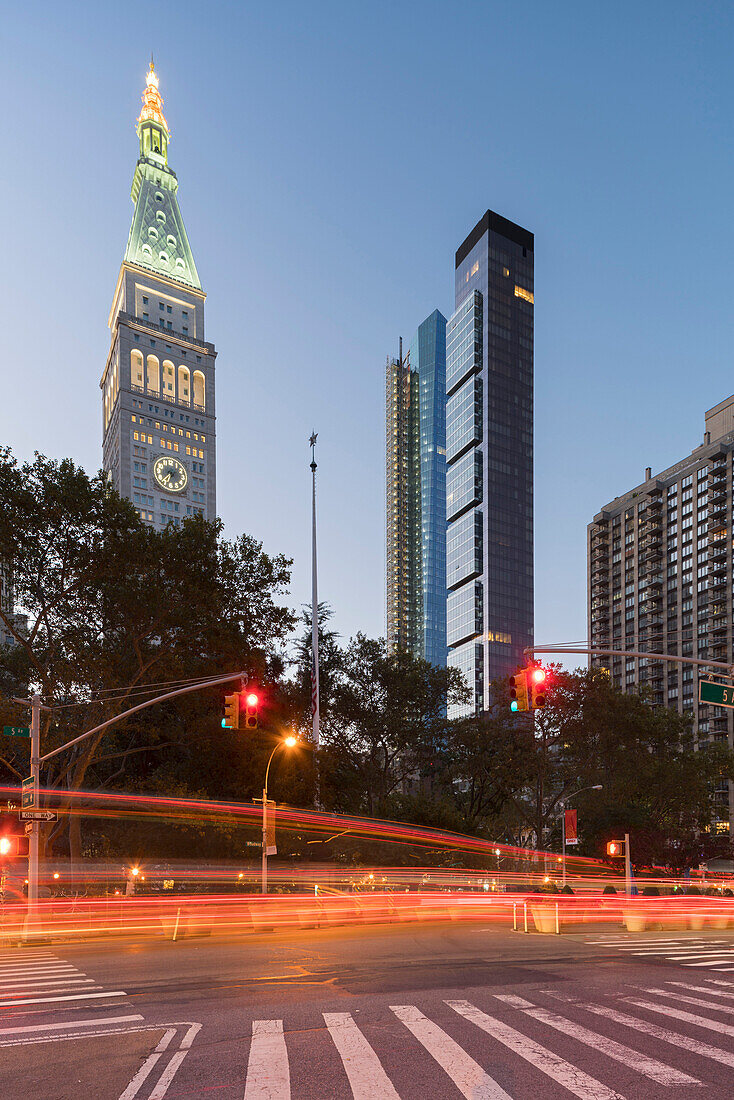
[
  {"x": 539, "y": 675},
  {"x": 252, "y": 702},
  {"x": 614, "y": 847}
]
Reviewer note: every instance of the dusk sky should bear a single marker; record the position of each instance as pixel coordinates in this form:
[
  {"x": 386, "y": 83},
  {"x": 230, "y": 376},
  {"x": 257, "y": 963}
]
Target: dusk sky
[{"x": 331, "y": 158}]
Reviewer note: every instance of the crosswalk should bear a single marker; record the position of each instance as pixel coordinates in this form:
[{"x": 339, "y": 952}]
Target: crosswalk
[
  {"x": 701, "y": 954},
  {"x": 36, "y": 982},
  {"x": 611, "y": 1048}
]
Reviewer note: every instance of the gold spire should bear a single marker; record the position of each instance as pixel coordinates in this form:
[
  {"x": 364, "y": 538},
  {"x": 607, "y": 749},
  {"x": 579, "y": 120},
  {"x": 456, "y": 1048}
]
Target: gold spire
[{"x": 152, "y": 100}]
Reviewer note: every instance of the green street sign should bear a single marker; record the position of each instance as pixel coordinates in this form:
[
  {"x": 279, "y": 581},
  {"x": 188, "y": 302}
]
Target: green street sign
[
  {"x": 721, "y": 695},
  {"x": 28, "y": 794},
  {"x": 16, "y": 731}
]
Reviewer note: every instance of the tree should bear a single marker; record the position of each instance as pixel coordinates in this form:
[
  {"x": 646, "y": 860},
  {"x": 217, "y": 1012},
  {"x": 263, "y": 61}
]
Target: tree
[
  {"x": 386, "y": 728},
  {"x": 653, "y": 783},
  {"x": 117, "y": 607}
]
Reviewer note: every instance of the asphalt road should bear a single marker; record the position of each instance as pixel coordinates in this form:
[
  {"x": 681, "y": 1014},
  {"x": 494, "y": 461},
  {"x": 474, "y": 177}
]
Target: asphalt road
[{"x": 375, "y": 1013}]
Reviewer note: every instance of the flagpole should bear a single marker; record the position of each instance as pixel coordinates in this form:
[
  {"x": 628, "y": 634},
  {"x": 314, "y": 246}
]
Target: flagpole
[{"x": 315, "y": 701}]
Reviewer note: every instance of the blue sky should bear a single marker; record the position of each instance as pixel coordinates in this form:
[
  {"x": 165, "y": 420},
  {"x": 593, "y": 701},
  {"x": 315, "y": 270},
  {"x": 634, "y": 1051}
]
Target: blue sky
[{"x": 331, "y": 158}]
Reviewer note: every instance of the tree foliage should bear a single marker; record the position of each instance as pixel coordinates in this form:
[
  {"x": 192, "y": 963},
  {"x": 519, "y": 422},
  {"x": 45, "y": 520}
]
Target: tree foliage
[{"x": 116, "y": 607}]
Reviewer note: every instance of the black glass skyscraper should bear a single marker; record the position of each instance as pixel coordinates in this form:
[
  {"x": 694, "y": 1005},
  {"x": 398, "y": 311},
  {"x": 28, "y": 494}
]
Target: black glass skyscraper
[{"x": 489, "y": 455}]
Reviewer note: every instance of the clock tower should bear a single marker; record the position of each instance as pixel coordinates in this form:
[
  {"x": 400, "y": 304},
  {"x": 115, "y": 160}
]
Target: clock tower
[{"x": 158, "y": 410}]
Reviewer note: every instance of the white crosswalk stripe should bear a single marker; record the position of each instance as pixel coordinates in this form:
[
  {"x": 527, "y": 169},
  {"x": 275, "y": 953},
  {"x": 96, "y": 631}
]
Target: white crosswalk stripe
[
  {"x": 649, "y": 1067},
  {"x": 268, "y": 1072},
  {"x": 44, "y": 983},
  {"x": 691, "y": 1000},
  {"x": 468, "y": 1076},
  {"x": 686, "y": 1017},
  {"x": 701, "y": 953},
  {"x": 571, "y": 1077},
  {"x": 363, "y": 1068},
  {"x": 657, "y": 1032}
]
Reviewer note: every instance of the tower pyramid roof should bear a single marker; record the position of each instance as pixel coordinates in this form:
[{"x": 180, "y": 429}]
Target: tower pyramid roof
[{"x": 158, "y": 240}]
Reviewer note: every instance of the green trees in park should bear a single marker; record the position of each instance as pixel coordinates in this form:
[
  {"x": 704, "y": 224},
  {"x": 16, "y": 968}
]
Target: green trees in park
[
  {"x": 653, "y": 784},
  {"x": 116, "y": 607}
]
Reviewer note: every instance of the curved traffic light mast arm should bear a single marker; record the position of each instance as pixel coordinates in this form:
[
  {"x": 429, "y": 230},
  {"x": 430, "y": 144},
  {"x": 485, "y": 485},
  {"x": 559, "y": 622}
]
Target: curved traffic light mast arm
[
  {"x": 142, "y": 706},
  {"x": 729, "y": 669}
]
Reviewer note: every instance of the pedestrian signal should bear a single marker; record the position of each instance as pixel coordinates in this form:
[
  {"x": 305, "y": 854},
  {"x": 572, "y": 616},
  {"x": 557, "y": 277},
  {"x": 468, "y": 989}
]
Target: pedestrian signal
[{"x": 615, "y": 847}]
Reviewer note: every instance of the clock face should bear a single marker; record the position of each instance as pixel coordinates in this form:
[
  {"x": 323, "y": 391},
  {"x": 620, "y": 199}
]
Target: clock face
[{"x": 170, "y": 474}]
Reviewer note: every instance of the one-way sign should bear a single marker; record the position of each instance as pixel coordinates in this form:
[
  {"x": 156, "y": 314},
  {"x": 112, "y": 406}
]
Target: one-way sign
[{"x": 38, "y": 815}]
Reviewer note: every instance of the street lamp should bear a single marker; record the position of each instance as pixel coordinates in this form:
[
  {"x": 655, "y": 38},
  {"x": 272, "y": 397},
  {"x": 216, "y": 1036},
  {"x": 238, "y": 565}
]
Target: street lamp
[
  {"x": 286, "y": 742},
  {"x": 563, "y": 803}
]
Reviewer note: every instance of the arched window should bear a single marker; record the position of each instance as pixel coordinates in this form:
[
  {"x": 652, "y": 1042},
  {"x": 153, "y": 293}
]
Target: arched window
[
  {"x": 154, "y": 380},
  {"x": 199, "y": 396},
  {"x": 184, "y": 394},
  {"x": 136, "y": 368},
  {"x": 169, "y": 379}
]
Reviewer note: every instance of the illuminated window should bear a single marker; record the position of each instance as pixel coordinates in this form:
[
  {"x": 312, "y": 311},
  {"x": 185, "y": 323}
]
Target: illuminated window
[
  {"x": 521, "y": 292},
  {"x": 175, "y": 446},
  {"x": 135, "y": 435},
  {"x": 201, "y": 454},
  {"x": 199, "y": 389},
  {"x": 153, "y": 374},
  {"x": 203, "y": 439}
]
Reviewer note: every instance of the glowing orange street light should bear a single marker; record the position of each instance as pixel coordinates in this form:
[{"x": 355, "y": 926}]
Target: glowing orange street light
[{"x": 289, "y": 741}]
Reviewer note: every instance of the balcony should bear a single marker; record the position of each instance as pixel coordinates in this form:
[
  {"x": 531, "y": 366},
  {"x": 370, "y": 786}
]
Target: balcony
[{"x": 184, "y": 337}]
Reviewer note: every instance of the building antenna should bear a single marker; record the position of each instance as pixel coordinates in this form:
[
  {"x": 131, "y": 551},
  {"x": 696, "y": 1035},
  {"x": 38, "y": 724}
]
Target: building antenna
[{"x": 315, "y": 701}]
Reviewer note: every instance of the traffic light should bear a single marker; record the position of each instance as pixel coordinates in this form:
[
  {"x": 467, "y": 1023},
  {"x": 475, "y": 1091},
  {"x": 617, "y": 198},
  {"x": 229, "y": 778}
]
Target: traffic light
[
  {"x": 252, "y": 701},
  {"x": 9, "y": 847},
  {"x": 615, "y": 847},
  {"x": 538, "y": 677},
  {"x": 231, "y": 718},
  {"x": 519, "y": 690}
]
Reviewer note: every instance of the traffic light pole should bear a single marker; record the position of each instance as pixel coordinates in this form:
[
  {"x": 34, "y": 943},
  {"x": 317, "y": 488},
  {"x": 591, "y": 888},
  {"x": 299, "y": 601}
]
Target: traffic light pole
[
  {"x": 627, "y": 866},
  {"x": 595, "y": 652},
  {"x": 34, "y": 836},
  {"x": 37, "y": 760}
]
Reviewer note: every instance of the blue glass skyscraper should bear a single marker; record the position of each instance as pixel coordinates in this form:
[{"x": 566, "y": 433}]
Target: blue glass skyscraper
[{"x": 416, "y": 494}]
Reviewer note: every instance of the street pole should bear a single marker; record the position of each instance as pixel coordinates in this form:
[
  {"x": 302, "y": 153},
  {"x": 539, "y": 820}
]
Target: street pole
[
  {"x": 563, "y": 833},
  {"x": 265, "y": 837},
  {"x": 33, "y": 846},
  {"x": 627, "y": 866},
  {"x": 315, "y": 701}
]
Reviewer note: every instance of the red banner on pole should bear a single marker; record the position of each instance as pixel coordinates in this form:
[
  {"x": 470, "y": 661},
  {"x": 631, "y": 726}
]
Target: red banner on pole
[{"x": 572, "y": 832}]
